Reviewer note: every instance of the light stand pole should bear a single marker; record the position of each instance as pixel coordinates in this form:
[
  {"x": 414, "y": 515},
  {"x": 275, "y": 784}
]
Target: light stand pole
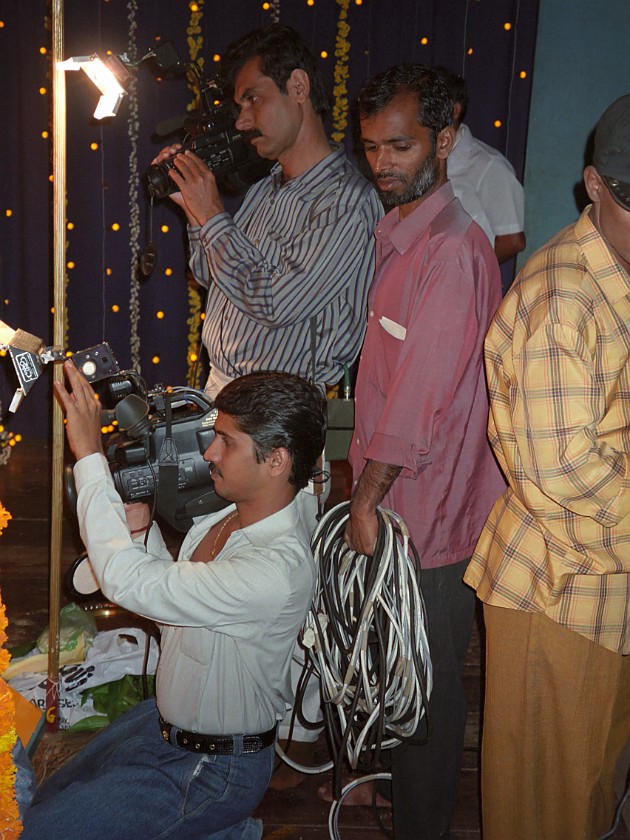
[{"x": 59, "y": 320}]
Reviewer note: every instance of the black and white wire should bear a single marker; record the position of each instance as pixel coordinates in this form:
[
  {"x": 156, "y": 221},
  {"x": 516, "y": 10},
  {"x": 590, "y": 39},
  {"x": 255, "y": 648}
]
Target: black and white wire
[
  {"x": 366, "y": 634},
  {"x": 333, "y": 814}
]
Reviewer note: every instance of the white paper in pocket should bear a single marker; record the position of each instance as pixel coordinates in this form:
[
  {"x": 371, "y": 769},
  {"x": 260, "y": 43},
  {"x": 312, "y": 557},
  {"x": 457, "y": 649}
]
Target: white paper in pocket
[{"x": 397, "y": 330}]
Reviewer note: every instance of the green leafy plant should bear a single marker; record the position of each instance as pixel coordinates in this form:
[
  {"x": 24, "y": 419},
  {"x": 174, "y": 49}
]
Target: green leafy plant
[{"x": 113, "y": 699}]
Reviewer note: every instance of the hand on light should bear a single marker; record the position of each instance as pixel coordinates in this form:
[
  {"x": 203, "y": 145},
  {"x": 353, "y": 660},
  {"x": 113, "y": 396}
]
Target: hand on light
[{"x": 83, "y": 413}]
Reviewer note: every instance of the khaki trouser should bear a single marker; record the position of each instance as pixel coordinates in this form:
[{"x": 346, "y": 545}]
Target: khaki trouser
[{"x": 557, "y": 715}]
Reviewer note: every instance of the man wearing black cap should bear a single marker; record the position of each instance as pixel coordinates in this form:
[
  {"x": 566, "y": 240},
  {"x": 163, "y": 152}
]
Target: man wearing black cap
[{"x": 553, "y": 563}]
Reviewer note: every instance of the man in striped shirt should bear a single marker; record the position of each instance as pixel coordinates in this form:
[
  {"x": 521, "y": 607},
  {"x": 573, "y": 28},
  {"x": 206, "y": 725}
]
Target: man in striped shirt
[
  {"x": 552, "y": 565},
  {"x": 300, "y": 246}
]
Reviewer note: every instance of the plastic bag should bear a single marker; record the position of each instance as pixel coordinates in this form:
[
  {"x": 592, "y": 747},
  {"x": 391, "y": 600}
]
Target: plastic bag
[
  {"x": 76, "y": 627},
  {"x": 114, "y": 654}
]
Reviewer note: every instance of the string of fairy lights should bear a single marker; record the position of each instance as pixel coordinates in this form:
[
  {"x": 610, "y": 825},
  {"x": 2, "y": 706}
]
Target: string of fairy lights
[{"x": 158, "y": 323}]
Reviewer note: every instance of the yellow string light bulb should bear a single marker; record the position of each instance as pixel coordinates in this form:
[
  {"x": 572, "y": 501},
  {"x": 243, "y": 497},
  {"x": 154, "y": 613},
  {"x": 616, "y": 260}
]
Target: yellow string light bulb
[
  {"x": 168, "y": 271},
  {"x": 93, "y": 146},
  {"x": 156, "y": 360},
  {"x": 324, "y": 54},
  {"x": 8, "y": 213},
  {"x": 507, "y": 26},
  {"x": 424, "y": 41},
  {"x": 522, "y": 74},
  {"x": 115, "y": 226},
  {"x": 159, "y": 314},
  {"x": 115, "y": 308},
  {"x": 42, "y": 91},
  {"x": 70, "y": 225},
  {"x": 164, "y": 228},
  {"x": 498, "y": 123}
]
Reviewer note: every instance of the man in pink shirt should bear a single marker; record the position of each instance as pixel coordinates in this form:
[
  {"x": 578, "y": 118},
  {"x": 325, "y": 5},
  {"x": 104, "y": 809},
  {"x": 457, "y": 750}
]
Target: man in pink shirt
[{"x": 420, "y": 445}]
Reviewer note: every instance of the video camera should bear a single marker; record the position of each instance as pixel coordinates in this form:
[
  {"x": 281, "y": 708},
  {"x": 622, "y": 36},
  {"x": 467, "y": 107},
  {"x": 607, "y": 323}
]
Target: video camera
[
  {"x": 159, "y": 453},
  {"x": 213, "y": 137}
]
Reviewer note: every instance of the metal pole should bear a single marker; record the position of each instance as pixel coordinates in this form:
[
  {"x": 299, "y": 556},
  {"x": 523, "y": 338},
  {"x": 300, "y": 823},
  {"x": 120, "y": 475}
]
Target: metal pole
[{"x": 59, "y": 300}]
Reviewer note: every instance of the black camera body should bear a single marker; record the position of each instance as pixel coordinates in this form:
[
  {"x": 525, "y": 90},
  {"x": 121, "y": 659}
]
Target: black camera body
[
  {"x": 160, "y": 453},
  {"x": 213, "y": 137}
]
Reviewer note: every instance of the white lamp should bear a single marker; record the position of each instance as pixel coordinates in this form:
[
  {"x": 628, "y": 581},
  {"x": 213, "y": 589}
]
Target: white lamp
[{"x": 104, "y": 77}]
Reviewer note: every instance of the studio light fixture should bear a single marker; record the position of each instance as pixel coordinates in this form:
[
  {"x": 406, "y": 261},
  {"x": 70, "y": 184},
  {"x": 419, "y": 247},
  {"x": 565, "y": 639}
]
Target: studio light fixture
[{"x": 106, "y": 75}]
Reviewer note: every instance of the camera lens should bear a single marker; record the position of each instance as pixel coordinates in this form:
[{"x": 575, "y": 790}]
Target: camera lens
[{"x": 158, "y": 181}]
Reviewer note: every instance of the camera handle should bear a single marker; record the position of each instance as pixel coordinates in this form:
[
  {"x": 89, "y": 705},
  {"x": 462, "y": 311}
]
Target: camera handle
[{"x": 168, "y": 464}]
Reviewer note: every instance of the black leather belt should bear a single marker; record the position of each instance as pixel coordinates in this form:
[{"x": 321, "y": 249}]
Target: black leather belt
[{"x": 215, "y": 744}]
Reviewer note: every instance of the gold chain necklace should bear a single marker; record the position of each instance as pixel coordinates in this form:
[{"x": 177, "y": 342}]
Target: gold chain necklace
[{"x": 213, "y": 551}]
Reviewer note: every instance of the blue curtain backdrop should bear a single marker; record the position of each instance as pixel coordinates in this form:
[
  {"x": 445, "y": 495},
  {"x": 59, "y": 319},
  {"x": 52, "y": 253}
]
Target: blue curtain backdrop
[{"x": 490, "y": 41}]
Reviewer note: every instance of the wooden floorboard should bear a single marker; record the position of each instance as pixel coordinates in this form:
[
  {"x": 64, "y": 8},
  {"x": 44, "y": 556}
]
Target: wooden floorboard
[{"x": 298, "y": 814}]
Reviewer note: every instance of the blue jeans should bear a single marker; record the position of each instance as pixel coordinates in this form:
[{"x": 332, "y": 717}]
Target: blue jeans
[{"x": 128, "y": 783}]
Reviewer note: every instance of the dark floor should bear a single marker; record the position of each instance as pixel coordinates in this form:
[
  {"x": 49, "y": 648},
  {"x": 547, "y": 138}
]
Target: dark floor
[{"x": 298, "y": 813}]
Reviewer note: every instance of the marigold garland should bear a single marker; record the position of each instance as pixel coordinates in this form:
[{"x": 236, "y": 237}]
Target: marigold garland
[
  {"x": 10, "y": 825},
  {"x": 341, "y": 73},
  {"x": 193, "y": 376}
]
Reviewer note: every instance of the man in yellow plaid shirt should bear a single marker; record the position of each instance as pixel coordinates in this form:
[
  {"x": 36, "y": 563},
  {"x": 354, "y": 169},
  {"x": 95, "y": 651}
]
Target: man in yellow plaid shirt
[{"x": 552, "y": 565}]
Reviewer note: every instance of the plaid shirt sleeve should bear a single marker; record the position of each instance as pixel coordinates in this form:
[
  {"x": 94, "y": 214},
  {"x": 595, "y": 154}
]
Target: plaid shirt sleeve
[{"x": 558, "y": 405}]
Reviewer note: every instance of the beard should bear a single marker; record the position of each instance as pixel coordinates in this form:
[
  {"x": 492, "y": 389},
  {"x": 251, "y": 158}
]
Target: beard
[{"x": 423, "y": 180}]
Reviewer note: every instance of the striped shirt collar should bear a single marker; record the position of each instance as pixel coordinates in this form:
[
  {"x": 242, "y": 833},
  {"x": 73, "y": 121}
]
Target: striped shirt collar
[{"x": 312, "y": 178}]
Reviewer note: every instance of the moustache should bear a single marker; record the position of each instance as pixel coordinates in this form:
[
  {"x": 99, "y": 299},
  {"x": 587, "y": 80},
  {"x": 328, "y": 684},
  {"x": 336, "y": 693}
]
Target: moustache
[{"x": 390, "y": 176}]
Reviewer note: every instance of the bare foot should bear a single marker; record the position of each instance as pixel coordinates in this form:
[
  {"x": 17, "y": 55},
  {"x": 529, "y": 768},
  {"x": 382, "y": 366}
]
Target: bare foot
[
  {"x": 286, "y": 777},
  {"x": 360, "y": 795}
]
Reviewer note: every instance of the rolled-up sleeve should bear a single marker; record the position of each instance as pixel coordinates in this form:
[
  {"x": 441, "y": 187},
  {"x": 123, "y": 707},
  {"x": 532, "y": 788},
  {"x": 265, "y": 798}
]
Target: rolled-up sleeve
[{"x": 327, "y": 256}]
